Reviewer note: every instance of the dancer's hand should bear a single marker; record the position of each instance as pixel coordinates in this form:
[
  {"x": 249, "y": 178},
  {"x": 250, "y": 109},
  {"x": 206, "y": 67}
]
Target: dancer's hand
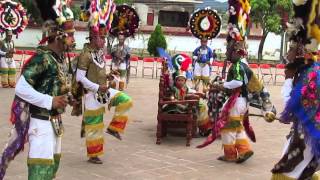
[{"x": 59, "y": 102}]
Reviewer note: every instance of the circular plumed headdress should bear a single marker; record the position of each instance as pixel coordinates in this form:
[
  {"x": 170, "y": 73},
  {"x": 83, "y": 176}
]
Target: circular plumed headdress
[
  {"x": 57, "y": 17},
  {"x": 205, "y": 24},
  {"x": 126, "y": 21},
  {"x": 13, "y": 17}
]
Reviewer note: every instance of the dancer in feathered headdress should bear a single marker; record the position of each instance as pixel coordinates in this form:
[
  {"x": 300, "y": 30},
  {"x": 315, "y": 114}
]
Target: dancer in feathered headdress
[
  {"x": 205, "y": 24},
  {"x": 41, "y": 96},
  {"x": 125, "y": 24},
  {"x": 12, "y": 22},
  {"x": 91, "y": 74},
  {"x": 301, "y": 156},
  {"x": 232, "y": 122}
]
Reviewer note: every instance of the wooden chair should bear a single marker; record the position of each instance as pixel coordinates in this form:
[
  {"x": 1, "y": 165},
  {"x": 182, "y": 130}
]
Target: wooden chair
[{"x": 165, "y": 120}]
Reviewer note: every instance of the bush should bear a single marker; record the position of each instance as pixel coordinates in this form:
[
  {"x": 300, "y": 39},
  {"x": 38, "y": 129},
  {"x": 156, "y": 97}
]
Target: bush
[
  {"x": 156, "y": 39},
  {"x": 76, "y": 12}
]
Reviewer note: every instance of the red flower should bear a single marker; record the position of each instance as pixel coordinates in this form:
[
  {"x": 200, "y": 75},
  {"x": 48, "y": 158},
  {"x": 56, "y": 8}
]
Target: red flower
[
  {"x": 317, "y": 117},
  {"x": 312, "y": 85},
  {"x": 312, "y": 75},
  {"x": 304, "y": 90}
]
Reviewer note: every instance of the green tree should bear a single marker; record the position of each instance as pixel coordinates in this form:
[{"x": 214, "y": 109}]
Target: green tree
[
  {"x": 130, "y": 2},
  {"x": 156, "y": 39},
  {"x": 269, "y": 14},
  {"x": 76, "y": 11}
]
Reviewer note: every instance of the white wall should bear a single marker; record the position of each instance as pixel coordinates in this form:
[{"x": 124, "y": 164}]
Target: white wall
[{"x": 31, "y": 37}]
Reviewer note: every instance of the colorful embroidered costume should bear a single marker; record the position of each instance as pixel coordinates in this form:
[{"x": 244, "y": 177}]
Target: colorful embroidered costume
[
  {"x": 205, "y": 24},
  {"x": 233, "y": 121},
  {"x": 124, "y": 25},
  {"x": 7, "y": 63},
  {"x": 35, "y": 113},
  {"x": 13, "y": 21},
  {"x": 301, "y": 154},
  {"x": 120, "y": 61},
  {"x": 202, "y": 58},
  {"x": 91, "y": 73},
  {"x": 180, "y": 91}
]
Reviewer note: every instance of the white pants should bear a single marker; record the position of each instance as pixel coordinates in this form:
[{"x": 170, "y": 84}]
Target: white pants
[
  {"x": 42, "y": 140},
  {"x": 240, "y": 108},
  {"x": 6, "y": 65},
  {"x": 201, "y": 71}
]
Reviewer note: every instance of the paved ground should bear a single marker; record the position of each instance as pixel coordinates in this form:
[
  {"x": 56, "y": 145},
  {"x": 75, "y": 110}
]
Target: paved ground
[{"x": 137, "y": 157}]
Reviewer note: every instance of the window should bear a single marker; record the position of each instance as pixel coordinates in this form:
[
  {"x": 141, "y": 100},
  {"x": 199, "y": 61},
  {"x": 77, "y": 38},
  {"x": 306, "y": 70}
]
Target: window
[{"x": 173, "y": 18}]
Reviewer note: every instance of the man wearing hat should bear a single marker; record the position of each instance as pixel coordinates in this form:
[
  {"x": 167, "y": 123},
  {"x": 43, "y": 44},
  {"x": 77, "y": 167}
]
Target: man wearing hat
[
  {"x": 91, "y": 73},
  {"x": 120, "y": 59},
  {"x": 232, "y": 123},
  {"x": 7, "y": 64},
  {"x": 202, "y": 57},
  {"x": 41, "y": 96}
]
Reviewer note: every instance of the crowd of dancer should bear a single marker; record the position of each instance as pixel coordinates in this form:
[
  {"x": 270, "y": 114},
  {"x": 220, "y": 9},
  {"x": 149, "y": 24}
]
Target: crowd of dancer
[{"x": 50, "y": 81}]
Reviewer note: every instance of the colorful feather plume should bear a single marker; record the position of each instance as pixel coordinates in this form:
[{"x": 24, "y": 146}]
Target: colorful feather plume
[
  {"x": 238, "y": 23},
  {"x": 101, "y": 14}
]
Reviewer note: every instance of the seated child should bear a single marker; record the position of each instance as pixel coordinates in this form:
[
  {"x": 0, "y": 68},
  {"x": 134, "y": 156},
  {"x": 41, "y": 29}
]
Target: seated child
[{"x": 180, "y": 91}]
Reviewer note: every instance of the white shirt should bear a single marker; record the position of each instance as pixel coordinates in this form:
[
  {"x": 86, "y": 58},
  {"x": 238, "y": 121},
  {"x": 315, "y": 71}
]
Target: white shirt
[
  {"x": 286, "y": 90},
  {"x": 87, "y": 84},
  {"x": 26, "y": 92}
]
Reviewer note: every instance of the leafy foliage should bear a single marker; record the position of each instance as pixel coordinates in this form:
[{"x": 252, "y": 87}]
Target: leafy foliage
[
  {"x": 130, "y": 2},
  {"x": 76, "y": 12},
  {"x": 156, "y": 39},
  {"x": 270, "y": 14}
]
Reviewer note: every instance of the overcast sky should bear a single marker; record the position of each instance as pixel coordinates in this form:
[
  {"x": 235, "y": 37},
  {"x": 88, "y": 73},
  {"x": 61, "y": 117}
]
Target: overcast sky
[{"x": 222, "y": 0}]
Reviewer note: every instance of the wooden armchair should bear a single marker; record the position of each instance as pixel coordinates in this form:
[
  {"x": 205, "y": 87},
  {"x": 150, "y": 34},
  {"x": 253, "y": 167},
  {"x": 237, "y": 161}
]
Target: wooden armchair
[{"x": 165, "y": 120}]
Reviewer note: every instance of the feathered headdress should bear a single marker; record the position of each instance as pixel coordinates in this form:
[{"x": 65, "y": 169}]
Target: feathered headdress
[
  {"x": 305, "y": 28},
  {"x": 99, "y": 16},
  {"x": 57, "y": 18},
  {"x": 238, "y": 23},
  {"x": 205, "y": 24},
  {"x": 180, "y": 64},
  {"x": 13, "y": 17},
  {"x": 126, "y": 21}
]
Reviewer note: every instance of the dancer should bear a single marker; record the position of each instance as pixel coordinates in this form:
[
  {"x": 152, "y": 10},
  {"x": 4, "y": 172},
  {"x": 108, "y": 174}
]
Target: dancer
[
  {"x": 120, "y": 60},
  {"x": 203, "y": 56},
  {"x": 41, "y": 96},
  {"x": 233, "y": 122},
  {"x": 91, "y": 74},
  {"x": 8, "y": 65},
  {"x": 124, "y": 25},
  {"x": 301, "y": 154}
]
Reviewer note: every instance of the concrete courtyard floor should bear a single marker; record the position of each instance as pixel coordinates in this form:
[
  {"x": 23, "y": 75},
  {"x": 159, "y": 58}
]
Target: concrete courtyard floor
[{"x": 137, "y": 157}]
